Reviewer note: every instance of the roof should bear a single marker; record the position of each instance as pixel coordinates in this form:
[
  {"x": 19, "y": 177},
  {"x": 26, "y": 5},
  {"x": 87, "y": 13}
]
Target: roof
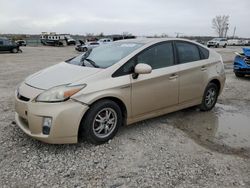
[{"x": 150, "y": 40}]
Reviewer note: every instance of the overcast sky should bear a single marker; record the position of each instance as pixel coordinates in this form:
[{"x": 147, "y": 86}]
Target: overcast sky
[{"x": 139, "y": 17}]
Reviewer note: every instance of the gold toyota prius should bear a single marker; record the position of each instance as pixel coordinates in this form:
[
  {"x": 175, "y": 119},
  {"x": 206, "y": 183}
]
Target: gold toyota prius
[{"x": 120, "y": 83}]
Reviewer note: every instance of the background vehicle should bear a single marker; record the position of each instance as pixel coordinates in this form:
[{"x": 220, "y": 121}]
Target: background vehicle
[
  {"x": 53, "y": 39},
  {"x": 21, "y": 42},
  {"x": 217, "y": 42},
  {"x": 105, "y": 40},
  {"x": 8, "y": 45},
  {"x": 120, "y": 83},
  {"x": 70, "y": 40},
  {"x": 242, "y": 63},
  {"x": 87, "y": 46}
]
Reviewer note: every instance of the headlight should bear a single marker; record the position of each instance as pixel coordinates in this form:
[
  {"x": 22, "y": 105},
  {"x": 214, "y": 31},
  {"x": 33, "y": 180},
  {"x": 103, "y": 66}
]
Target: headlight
[{"x": 59, "y": 93}]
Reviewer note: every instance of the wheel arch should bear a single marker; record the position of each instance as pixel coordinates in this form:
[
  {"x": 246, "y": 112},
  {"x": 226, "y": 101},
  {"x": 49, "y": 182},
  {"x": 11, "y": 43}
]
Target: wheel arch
[
  {"x": 216, "y": 82},
  {"x": 118, "y": 101}
]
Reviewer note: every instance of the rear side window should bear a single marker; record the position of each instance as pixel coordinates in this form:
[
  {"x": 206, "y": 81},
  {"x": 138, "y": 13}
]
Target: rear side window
[
  {"x": 204, "y": 53},
  {"x": 187, "y": 52},
  {"x": 158, "y": 56}
]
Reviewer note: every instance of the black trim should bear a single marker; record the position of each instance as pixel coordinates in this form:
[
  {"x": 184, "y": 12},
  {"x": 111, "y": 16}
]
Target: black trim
[
  {"x": 22, "y": 98},
  {"x": 116, "y": 73}
]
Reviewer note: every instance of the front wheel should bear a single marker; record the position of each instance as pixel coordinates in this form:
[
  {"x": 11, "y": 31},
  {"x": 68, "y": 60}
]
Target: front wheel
[
  {"x": 14, "y": 50},
  {"x": 85, "y": 49},
  {"x": 101, "y": 122},
  {"x": 209, "y": 97},
  {"x": 225, "y": 46}
]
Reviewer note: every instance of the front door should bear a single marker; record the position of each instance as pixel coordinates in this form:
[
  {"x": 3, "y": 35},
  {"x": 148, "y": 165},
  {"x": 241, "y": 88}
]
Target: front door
[{"x": 159, "y": 89}]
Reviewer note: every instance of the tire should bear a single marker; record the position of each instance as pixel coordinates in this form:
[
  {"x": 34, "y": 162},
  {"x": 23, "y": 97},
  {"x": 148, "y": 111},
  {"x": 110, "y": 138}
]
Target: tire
[
  {"x": 208, "y": 46},
  {"x": 85, "y": 49},
  {"x": 209, "y": 97},
  {"x": 217, "y": 46},
  {"x": 94, "y": 126},
  {"x": 14, "y": 50},
  {"x": 239, "y": 74},
  {"x": 225, "y": 46}
]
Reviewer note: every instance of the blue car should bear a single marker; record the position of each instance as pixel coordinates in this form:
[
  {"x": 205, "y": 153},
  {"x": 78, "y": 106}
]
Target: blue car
[{"x": 242, "y": 63}]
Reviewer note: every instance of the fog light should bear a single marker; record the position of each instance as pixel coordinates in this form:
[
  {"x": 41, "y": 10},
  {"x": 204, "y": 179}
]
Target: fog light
[{"x": 47, "y": 122}]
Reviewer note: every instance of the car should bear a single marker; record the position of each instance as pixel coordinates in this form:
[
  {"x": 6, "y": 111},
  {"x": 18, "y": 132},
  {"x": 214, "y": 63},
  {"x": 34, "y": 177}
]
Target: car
[
  {"x": 87, "y": 46},
  {"x": 70, "y": 40},
  {"x": 242, "y": 63},
  {"x": 217, "y": 42},
  {"x": 105, "y": 41},
  {"x": 90, "y": 96},
  {"x": 8, "y": 45},
  {"x": 21, "y": 42}
]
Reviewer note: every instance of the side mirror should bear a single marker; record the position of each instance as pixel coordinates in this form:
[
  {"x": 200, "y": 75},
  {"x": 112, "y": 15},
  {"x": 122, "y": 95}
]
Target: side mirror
[{"x": 143, "y": 68}]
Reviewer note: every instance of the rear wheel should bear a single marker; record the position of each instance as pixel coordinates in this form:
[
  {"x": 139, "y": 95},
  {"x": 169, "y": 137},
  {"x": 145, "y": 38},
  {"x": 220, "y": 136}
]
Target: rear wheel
[
  {"x": 239, "y": 74},
  {"x": 225, "y": 46},
  {"x": 209, "y": 97},
  {"x": 101, "y": 122}
]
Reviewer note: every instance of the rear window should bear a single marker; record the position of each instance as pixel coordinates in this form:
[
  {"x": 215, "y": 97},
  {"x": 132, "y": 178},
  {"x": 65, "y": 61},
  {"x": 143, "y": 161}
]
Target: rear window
[
  {"x": 204, "y": 53},
  {"x": 187, "y": 52}
]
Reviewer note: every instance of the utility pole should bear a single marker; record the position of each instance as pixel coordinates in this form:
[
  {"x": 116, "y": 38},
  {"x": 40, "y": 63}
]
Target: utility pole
[
  {"x": 177, "y": 34},
  {"x": 234, "y": 32},
  {"x": 227, "y": 27}
]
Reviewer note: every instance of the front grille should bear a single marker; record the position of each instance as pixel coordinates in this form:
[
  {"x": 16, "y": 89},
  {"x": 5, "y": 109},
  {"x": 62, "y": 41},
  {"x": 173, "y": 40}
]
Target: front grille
[{"x": 22, "y": 98}]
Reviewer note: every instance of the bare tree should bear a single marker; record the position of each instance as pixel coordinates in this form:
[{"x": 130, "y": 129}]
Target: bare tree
[{"x": 220, "y": 25}]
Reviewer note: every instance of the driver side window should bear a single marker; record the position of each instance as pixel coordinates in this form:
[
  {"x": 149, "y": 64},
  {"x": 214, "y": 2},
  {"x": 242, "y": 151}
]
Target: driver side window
[{"x": 158, "y": 56}]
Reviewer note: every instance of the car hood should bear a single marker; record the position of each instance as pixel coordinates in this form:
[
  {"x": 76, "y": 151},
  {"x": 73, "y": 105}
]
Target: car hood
[{"x": 62, "y": 73}]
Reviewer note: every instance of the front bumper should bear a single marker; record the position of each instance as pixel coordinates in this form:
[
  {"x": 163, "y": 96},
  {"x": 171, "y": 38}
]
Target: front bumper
[
  {"x": 240, "y": 66},
  {"x": 66, "y": 118},
  {"x": 242, "y": 71}
]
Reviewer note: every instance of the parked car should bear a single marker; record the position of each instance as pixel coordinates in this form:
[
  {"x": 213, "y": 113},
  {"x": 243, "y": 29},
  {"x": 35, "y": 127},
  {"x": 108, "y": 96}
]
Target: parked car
[
  {"x": 70, "y": 40},
  {"x": 105, "y": 41},
  {"x": 87, "y": 46},
  {"x": 8, "y": 45},
  {"x": 242, "y": 63},
  {"x": 217, "y": 42},
  {"x": 21, "y": 42},
  {"x": 120, "y": 83}
]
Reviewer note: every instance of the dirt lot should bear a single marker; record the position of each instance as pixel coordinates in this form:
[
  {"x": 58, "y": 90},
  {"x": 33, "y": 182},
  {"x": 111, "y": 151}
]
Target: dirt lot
[{"x": 182, "y": 149}]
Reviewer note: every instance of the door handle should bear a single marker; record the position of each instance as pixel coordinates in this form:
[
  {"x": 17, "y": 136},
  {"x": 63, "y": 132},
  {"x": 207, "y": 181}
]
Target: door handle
[
  {"x": 173, "y": 76},
  {"x": 203, "y": 68}
]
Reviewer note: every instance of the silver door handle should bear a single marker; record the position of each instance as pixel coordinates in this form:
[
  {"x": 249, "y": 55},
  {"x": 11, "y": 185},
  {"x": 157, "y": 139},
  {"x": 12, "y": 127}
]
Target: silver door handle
[
  {"x": 173, "y": 76},
  {"x": 203, "y": 68}
]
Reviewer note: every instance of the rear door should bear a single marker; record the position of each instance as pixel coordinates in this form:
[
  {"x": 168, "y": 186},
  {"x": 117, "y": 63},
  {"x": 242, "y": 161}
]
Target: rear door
[
  {"x": 193, "y": 66},
  {"x": 159, "y": 89}
]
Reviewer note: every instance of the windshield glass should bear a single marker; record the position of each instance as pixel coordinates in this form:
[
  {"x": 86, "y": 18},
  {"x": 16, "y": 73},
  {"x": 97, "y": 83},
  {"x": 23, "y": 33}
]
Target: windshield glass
[{"x": 105, "y": 55}]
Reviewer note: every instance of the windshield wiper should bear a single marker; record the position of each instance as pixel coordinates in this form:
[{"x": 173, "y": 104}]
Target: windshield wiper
[{"x": 92, "y": 63}]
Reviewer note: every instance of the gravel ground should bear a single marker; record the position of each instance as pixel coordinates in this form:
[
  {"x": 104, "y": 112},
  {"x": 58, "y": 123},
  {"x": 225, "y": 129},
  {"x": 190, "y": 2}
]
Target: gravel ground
[{"x": 188, "y": 148}]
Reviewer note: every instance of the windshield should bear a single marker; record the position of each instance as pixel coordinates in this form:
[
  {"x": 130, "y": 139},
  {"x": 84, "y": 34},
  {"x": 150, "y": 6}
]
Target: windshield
[{"x": 105, "y": 55}]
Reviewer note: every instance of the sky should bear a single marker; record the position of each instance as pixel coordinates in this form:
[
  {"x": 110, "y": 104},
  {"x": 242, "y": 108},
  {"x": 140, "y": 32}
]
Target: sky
[{"x": 139, "y": 17}]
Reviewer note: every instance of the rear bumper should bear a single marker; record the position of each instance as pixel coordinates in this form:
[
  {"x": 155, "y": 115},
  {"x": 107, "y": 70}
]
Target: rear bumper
[{"x": 66, "y": 118}]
